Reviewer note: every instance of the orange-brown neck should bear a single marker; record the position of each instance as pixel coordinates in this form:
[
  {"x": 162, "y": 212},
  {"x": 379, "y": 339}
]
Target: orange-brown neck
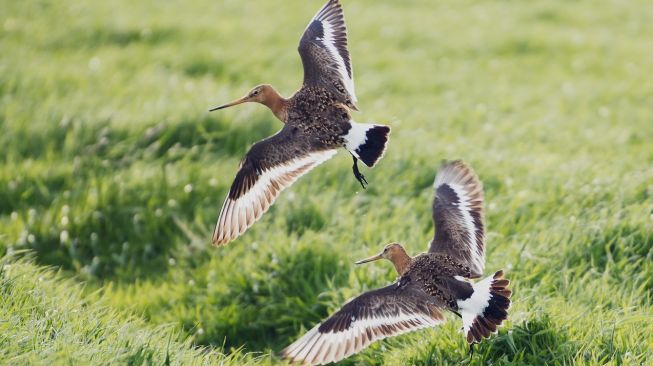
[
  {"x": 277, "y": 104},
  {"x": 401, "y": 260}
]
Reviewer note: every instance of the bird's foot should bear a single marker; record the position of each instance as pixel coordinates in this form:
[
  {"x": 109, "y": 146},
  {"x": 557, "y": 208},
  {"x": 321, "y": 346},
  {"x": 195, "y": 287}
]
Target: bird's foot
[{"x": 360, "y": 177}]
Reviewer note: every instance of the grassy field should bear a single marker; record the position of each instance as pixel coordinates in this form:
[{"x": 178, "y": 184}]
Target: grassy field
[{"x": 113, "y": 173}]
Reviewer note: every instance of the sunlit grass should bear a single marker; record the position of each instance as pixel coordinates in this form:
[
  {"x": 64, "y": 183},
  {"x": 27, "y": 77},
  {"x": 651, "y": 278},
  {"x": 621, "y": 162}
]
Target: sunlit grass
[
  {"x": 52, "y": 321},
  {"x": 114, "y": 172}
]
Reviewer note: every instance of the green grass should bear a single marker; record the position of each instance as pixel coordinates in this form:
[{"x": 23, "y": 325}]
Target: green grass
[
  {"x": 113, "y": 173},
  {"x": 48, "y": 320}
]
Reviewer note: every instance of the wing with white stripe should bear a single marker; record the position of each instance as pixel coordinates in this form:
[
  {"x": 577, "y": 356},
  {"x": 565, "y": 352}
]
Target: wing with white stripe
[
  {"x": 374, "y": 315},
  {"x": 458, "y": 216},
  {"x": 324, "y": 53},
  {"x": 270, "y": 166}
]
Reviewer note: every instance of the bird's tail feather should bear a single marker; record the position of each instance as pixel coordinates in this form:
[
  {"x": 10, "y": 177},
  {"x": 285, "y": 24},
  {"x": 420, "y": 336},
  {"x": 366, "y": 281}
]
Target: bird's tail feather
[
  {"x": 367, "y": 141},
  {"x": 487, "y": 307}
]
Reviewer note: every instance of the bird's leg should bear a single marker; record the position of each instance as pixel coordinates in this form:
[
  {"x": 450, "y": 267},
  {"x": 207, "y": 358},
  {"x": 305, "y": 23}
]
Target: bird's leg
[
  {"x": 471, "y": 349},
  {"x": 360, "y": 177},
  {"x": 457, "y": 313}
]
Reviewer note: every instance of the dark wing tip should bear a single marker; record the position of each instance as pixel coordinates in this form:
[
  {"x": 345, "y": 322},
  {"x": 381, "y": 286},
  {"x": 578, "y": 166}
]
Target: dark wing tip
[
  {"x": 458, "y": 173},
  {"x": 332, "y": 7}
]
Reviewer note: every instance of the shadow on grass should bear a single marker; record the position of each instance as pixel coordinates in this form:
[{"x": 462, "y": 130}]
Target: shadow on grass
[
  {"x": 118, "y": 222},
  {"x": 623, "y": 249},
  {"x": 112, "y": 36},
  {"x": 110, "y": 230},
  {"x": 307, "y": 216},
  {"x": 23, "y": 192},
  {"x": 224, "y": 137},
  {"x": 533, "y": 342},
  {"x": 204, "y": 65},
  {"x": 264, "y": 308},
  {"x": 62, "y": 137}
]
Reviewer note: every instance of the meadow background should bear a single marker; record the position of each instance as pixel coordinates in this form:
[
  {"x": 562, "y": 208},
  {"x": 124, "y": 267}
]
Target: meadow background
[{"x": 112, "y": 174}]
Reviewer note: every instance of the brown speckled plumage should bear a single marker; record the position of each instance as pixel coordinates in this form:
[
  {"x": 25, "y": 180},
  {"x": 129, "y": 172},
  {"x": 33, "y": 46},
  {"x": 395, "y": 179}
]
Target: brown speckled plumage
[
  {"x": 317, "y": 122},
  {"x": 428, "y": 283},
  {"x": 435, "y": 273},
  {"x": 316, "y": 112}
]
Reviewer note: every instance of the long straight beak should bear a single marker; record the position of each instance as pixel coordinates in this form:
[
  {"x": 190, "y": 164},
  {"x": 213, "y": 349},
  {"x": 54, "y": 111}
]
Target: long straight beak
[
  {"x": 235, "y": 102},
  {"x": 370, "y": 259}
]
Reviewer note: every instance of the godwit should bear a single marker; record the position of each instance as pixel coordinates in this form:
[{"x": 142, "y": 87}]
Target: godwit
[
  {"x": 427, "y": 283},
  {"x": 316, "y": 122}
]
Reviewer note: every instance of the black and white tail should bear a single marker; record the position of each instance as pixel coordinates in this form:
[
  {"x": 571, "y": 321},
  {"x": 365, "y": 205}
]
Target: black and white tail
[
  {"x": 486, "y": 309},
  {"x": 367, "y": 141}
]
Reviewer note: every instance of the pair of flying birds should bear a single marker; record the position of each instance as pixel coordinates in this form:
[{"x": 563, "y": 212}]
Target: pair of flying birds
[{"x": 317, "y": 121}]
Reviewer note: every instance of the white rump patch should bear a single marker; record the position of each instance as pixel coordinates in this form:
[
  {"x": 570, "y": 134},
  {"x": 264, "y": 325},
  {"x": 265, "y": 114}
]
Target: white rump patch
[
  {"x": 237, "y": 215},
  {"x": 475, "y": 305},
  {"x": 357, "y": 136}
]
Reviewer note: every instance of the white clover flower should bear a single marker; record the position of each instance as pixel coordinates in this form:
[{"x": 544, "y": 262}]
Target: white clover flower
[{"x": 64, "y": 237}]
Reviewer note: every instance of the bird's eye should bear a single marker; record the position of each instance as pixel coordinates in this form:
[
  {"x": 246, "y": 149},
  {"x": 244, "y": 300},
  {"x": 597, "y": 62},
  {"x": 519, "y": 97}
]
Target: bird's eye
[
  {"x": 254, "y": 93},
  {"x": 385, "y": 250}
]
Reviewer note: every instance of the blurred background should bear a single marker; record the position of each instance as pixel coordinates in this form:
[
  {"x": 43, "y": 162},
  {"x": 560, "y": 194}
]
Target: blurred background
[{"x": 113, "y": 173}]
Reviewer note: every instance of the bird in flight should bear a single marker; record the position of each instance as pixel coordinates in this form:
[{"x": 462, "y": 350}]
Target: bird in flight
[
  {"x": 428, "y": 283},
  {"x": 317, "y": 121}
]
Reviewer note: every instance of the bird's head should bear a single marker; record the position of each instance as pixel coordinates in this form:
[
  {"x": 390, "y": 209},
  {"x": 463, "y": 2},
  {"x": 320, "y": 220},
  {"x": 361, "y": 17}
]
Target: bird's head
[
  {"x": 260, "y": 94},
  {"x": 393, "y": 252}
]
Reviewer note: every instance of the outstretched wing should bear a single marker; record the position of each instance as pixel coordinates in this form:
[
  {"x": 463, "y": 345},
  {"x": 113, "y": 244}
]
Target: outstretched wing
[
  {"x": 323, "y": 49},
  {"x": 458, "y": 216},
  {"x": 372, "y": 316},
  {"x": 269, "y": 167}
]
